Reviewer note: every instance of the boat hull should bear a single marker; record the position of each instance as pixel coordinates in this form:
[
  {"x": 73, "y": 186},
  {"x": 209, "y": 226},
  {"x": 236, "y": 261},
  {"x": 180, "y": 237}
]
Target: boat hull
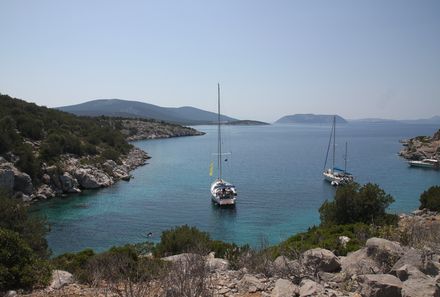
[
  {"x": 338, "y": 178},
  {"x": 223, "y": 193},
  {"x": 422, "y": 164}
]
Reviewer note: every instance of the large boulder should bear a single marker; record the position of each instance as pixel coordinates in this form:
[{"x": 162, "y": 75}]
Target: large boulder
[
  {"x": 90, "y": 178},
  {"x": 359, "y": 262},
  {"x": 284, "y": 288},
  {"x": 322, "y": 260},
  {"x": 284, "y": 266},
  {"x": 60, "y": 279},
  {"x": 310, "y": 288},
  {"x": 377, "y": 245},
  {"x": 386, "y": 253},
  {"x": 416, "y": 283},
  {"x": 23, "y": 183},
  {"x": 250, "y": 284},
  {"x": 44, "y": 191},
  {"x": 68, "y": 183},
  {"x": 380, "y": 285},
  {"x": 420, "y": 260}
]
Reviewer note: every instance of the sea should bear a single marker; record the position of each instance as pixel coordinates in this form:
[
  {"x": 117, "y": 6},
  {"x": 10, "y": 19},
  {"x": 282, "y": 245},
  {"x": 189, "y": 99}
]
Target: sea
[{"x": 277, "y": 170}]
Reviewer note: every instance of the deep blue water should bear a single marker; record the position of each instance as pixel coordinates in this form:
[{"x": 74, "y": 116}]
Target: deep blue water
[{"x": 277, "y": 170}]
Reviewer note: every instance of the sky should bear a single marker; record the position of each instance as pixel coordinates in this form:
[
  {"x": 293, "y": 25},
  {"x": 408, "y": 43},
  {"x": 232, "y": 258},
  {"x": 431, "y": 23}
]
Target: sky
[{"x": 358, "y": 59}]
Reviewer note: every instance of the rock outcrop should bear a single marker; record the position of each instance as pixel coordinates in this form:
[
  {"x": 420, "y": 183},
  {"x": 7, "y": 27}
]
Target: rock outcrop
[
  {"x": 60, "y": 279},
  {"x": 422, "y": 147},
  {"x": 71, "y": 175}
]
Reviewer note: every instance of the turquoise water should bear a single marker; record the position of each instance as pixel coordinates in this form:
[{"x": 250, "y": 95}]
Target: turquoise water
[{"x": 277, "y": 170}]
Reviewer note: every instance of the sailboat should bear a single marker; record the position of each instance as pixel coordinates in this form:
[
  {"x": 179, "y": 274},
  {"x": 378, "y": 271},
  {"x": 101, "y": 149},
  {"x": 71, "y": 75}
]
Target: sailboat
[
  {"x": 223, "y": 193},
  {"x": 334, "y": 175}
]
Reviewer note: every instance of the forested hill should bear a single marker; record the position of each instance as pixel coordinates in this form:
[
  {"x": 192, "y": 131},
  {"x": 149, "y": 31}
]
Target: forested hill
[
  {"x": 31, "y": 135},
  {"x": 186, "y": 115}
]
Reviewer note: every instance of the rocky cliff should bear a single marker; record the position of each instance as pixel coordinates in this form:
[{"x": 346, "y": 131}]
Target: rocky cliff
[{"x": 421, "y": 147}]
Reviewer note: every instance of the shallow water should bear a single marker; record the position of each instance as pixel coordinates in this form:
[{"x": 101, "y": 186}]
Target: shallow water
[{"x": 277, "y": 170}]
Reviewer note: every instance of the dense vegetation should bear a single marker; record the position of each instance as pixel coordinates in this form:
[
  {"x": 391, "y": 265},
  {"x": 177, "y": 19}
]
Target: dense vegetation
[
  {"x": 358, "y": 212},
  {"x": 23, "y": 248},
  {"x": 39, "y": 134},
  {"x": 430, "y": 199},
  {"x": 357, "y": 204}
]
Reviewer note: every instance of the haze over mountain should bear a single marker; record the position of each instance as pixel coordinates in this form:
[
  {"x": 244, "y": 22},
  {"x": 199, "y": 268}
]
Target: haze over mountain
[
  {"x": 134, "y": 109},
  {"x": 309, "y": 119},
  {"x": 431, "y": 120}
]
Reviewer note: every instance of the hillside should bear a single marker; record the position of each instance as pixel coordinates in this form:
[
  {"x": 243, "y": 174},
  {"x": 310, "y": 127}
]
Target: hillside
[
  {"x": 247, "y": 123},
  {"x": 134, "y": 109},
  {"x": 46, "y": 152},
  {"x": 309, "y": 119}
]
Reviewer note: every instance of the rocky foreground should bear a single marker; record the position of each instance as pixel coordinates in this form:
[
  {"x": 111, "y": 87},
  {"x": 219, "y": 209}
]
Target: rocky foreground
[
  {"x": 70, "y": 175},
  {"x": 382, "y": 268},
  {"x": 422, "y": 147}
]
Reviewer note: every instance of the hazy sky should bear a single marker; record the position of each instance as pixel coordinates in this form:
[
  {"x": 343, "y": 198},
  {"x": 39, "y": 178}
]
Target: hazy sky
[{"x": 272, "y": 58}]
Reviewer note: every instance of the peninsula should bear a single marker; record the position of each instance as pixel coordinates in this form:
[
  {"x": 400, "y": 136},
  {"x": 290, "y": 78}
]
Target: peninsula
[{"x": 46, "y": 153}]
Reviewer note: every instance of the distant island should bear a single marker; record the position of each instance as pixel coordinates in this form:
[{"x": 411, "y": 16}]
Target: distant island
[
  {"x": 310, "y": 119},
  {"x": 185, "y": 115}
]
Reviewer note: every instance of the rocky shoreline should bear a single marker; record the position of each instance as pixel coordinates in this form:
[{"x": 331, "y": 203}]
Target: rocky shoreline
[
  {"x": 382, "y": 268},
  {"x": 69, "y": 175},
  {"x": 72, "y": 175},
  {"x": 421, "y": 147},
  {"x": 142, "y": 129}
]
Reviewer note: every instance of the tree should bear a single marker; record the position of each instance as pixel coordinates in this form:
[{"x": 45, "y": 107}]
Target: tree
[
  {"x": 356, "y": 204},
  {"x": 430, "y": 199}
]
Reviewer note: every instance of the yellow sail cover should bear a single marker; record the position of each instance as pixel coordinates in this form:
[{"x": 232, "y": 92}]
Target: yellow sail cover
[{"x": 211, "y": 168}]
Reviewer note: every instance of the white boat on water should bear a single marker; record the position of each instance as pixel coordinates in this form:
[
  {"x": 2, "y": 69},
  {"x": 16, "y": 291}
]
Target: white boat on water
[
  {"x": 334, "y": 175},
  {"x": 426, "y": 163},
  {"x": 223, "y": 193}
]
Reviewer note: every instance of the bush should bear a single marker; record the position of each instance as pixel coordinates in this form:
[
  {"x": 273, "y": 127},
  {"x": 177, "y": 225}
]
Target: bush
[
  {"x": 430, "y": 199},
  {"x": 356, "y": 204},
  {"x": 75, "y": 263},
  {"x": 182, "y": 239},
  {"x": 327, "y": 237},
  {"x": 27, "y": 162},
  {"x": 20, "y": 268},
  {"x": 32, "y": 229}
]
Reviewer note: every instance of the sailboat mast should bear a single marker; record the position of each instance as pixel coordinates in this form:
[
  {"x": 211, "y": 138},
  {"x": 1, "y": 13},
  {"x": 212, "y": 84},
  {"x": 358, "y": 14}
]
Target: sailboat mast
[
  {"x": 219, "y": 160},
  {"x": 334, "y": 141}
]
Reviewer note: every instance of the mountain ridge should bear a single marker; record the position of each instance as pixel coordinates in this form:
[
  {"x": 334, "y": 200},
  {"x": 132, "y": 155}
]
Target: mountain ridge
[
  {"x": 187, "y": 115},
  {"x": 309, "y": 118}
]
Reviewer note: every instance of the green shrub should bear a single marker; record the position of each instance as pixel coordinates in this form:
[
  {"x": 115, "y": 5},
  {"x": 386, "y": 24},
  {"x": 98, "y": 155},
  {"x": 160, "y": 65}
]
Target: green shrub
[
  {"x": 32, "y": 229},
  {"x": 27, "y": 162},
  {"x": 20, "y": 268},
  {"x": 182, "y": 239},
  {"x": 74, "y": 263},
  {"x": 354, "y": 203},
  {"x": 327, "y": 237},
  {"x": 110, "y": 154},
  {"x": 430, "y": 199}
]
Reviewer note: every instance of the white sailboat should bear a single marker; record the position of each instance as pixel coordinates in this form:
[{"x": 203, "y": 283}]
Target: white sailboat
[
  {"x": 334, "y": 175},
  {"x": 223, "y": 193}
]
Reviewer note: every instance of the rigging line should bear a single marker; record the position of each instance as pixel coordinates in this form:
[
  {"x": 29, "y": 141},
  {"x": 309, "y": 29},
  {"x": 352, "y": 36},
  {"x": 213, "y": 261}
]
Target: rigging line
[{"x": 328, "y": 148}]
